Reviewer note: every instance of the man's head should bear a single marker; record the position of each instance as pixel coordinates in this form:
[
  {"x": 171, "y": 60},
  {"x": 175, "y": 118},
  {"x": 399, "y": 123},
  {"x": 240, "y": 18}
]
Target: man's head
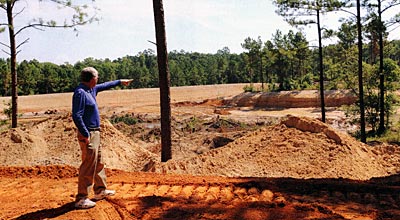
[{"x": 89, "y": 76}]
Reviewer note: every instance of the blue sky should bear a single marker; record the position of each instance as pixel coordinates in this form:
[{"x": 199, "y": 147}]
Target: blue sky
[{"x": 126, "y": 26}]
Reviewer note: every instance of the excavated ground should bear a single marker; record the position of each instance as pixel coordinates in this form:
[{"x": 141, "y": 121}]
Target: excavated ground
[{"x": 233, "y": 158}]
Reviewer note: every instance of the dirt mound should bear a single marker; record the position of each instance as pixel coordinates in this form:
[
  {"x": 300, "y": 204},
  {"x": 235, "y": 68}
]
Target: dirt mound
[
  {"x": 53, "y": 141},
  {"x": 298, "y": 148}
]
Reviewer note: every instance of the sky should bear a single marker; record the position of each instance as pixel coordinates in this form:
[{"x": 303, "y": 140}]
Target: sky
[{"x": 127, "y": 26}]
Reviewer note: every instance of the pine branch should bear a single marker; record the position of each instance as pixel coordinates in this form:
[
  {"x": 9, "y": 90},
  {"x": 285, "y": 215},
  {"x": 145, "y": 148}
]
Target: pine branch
[
  {"x": 4, "y": 44},
  {"x": 24, "y": 42},
  {"x": 38, "y": 25}
]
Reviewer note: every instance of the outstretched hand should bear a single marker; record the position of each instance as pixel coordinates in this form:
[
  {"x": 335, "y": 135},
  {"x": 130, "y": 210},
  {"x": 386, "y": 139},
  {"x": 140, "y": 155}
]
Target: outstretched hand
[{"x": 126, "y": 82}]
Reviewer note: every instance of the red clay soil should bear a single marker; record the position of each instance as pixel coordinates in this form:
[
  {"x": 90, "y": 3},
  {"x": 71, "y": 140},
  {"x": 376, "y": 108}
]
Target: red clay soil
[{"x": 47, "y": 193}]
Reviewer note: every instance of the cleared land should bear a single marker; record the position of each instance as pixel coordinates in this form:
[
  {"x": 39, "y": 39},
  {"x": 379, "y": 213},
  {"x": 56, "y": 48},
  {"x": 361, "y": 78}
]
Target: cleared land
[{"x": 232, "y": 159}]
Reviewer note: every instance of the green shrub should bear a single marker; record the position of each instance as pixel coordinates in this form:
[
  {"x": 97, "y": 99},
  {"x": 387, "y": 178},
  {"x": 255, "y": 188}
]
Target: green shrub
[{"x": 127, "y": 119}]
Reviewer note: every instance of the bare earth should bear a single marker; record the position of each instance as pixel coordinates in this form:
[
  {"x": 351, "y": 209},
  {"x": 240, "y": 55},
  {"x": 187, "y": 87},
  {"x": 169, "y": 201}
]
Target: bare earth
[{"x": 235, "y": 156}]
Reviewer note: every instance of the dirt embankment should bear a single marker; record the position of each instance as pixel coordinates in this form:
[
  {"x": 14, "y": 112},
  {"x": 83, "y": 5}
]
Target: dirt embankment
[{"x": 293, "y": 99}]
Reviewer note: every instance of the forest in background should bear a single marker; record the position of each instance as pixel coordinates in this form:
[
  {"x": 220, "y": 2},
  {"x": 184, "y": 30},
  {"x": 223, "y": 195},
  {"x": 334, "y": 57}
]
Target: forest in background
[{"x": 286, "y": 62}]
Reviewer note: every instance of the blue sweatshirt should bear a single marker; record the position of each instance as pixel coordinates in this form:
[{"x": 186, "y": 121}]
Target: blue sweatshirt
[{"x": 85, "y": 112}]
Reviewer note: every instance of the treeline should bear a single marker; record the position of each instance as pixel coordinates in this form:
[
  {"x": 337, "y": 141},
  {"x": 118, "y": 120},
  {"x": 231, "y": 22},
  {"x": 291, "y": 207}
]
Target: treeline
[
  {"x": 285, "y": 62},
  {"x": 186, "y": 68}
]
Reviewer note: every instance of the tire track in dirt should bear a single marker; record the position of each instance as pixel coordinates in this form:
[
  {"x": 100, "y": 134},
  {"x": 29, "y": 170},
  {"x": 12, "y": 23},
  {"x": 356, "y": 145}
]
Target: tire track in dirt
[
  {"x": 137, "y": 201},
  {"x": 193, "y": 192},
  {"x": 166, "y": 196},
  {"x": 159, "y": 201}
]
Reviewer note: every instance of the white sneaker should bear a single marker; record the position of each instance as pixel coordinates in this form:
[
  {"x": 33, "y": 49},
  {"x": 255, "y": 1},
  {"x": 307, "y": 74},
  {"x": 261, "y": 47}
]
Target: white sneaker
[
  {"x": 85, "y": 203},
  {"x": 103, "y": 194}
]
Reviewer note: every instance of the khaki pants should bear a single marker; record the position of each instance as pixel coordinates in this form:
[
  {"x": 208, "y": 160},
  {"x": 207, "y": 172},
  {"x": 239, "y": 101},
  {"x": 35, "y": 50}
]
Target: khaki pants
[{"x": 92, "y": 167}]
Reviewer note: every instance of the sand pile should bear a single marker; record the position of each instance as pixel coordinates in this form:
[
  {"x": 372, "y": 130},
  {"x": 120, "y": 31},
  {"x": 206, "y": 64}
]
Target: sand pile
[
  {"x": 297, "y": 147},
  {"x": 53, "y": 141}
]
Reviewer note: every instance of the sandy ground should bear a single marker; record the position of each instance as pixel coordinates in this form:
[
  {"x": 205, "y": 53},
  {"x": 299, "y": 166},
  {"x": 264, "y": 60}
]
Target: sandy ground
[{"x": 230, "y": 160}]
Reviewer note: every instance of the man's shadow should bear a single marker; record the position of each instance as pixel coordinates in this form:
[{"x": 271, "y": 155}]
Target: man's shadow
[{"x": 49, "y": 213}]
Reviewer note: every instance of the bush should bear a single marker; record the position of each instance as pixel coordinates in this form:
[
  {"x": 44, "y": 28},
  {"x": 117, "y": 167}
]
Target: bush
[{"x": 127, "y": 119}]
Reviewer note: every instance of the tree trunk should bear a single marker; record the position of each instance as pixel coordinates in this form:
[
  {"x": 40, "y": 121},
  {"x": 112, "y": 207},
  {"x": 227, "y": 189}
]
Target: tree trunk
[
  {"x": 164, "y": 80},
  {"x": 381, "y": 128},
  {"x": 13, "y": 52},
  {"x": 360, "y": 75},
  {"x": 261, "y": 73},
  {"x": 321, "y": 69}
]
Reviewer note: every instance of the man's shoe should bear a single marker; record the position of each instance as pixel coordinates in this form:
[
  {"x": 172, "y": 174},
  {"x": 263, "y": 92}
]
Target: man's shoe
[
  {"x": 85, "y": 203},
  {"x": 103, "y": 194}
]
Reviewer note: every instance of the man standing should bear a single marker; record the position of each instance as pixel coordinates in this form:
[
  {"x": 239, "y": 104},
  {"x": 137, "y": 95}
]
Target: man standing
[{"x": 85, "y": 114}]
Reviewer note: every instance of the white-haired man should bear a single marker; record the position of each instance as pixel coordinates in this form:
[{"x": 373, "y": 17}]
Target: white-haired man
[{"x": 85, "y": 114}]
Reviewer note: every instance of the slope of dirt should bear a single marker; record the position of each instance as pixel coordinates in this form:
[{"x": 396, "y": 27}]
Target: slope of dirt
[
  {"x": 293, "y": 99},
  {"x": 298, "y": 148},
  {"x": 294, "y": 168},
  {"x": 53, "y": 141}
]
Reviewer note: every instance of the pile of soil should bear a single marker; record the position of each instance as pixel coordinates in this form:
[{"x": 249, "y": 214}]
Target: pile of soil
[
  {"x": 298, "y": 147},
  {"x": 53, "y": 141}
]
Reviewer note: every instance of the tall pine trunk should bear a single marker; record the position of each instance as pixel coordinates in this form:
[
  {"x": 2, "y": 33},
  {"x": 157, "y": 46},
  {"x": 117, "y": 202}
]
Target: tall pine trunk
[
  {"x": 321, "y": 69},
  {"x": 360, "y": 75},
  {"x": 13, "y": 67},
  {"x": 164, "y": 80},
  {"x": 381, "y": 128}
]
